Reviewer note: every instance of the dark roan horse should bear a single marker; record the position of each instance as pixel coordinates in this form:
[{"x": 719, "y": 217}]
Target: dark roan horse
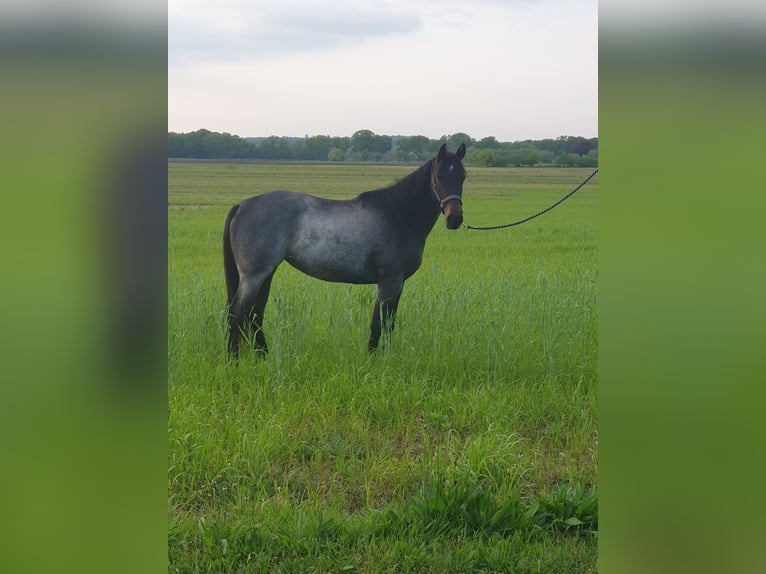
[{"x": 376, "y": 237}]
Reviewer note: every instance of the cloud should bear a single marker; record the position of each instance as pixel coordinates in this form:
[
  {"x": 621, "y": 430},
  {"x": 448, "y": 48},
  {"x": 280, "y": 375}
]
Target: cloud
[
  {"x": 516, "y": 70},
  {"x": 234, "y": 30}
]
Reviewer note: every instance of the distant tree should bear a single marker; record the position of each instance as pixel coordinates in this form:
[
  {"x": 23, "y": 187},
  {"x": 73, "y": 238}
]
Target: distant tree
[
  {"x": 274, "y": 147},
  {"x": 204, "y": 144},
  {"x": 414, "y": 148},
  {"x": 546, "y": 156},
  {"x": 487, "y": 143},
  {"x": 225, "y": 146},
  {"x": 565, "y": 144},
  {"x": 414, "y": 144},
  {"x": 177, "y": 145},
  {"x": 481, "y": 157},
  {"x": 513, "y": 157},
  {"x": 298, "y": 150},
  {"x": 316, "y": 148},
  {"x": 588, "y": 160},
  {"x": 335, "y": 154},
  {"x": 367, "y": 141},
  {"x": 581, "y": 147},
  {"x": 390, "y": 156},
  {"x": 530, "y": 157},
  {"x": 566, "y": 160},
  {"x": 384, "y": 144},
  {"x": 342, "y": 143},
  {"x": 454, "y": 141},
  {"x": 195, "y": 146},
  {"x": 547, "y": 145},
  {"x": 523, "y": 145},
  {"x": 363, "y": 140}
]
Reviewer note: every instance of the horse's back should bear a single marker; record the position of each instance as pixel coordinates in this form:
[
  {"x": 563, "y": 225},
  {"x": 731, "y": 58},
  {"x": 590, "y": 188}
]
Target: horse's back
[
  {"x": 262, "y": 228},
  {"x": 280, "y": 200},
  {"x": 272, "y": 209}
]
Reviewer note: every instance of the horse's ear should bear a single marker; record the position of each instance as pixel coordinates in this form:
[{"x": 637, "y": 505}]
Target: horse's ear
[
  {"x": 442, "y": 151},
  {"x": 460, "y": 151}
]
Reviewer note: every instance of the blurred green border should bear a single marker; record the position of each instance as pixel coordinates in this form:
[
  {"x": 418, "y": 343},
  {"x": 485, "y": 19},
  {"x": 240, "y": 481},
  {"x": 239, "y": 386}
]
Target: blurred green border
[
  {"x": 83, "y": 401},
  {"x": 682, "y": 314}
]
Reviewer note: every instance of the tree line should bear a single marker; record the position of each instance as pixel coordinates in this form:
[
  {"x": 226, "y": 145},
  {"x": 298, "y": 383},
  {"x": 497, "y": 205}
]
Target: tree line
[{"x": 365, "y": 145}]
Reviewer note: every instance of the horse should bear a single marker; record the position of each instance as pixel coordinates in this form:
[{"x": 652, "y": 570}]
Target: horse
[{"x": 377, "y": 237}]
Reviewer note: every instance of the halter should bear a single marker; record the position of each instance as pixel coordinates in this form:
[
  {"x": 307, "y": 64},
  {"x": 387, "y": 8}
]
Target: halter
[{"x": 443, "y": 200}]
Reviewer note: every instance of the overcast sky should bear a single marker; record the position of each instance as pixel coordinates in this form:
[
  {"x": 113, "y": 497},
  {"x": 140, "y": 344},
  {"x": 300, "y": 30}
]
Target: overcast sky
[{"x": 513, "y": 69}]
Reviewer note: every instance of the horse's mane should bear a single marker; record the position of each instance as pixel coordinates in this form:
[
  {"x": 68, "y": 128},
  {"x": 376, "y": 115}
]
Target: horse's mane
[{"x": 405, "y": 189}]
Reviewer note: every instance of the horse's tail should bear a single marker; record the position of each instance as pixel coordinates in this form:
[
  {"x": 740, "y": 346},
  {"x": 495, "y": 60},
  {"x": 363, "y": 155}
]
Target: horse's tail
[{"x": 229, "y": 266}]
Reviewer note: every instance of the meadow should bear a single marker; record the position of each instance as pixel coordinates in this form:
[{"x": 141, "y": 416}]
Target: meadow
[{"x": 467, "y": 443}]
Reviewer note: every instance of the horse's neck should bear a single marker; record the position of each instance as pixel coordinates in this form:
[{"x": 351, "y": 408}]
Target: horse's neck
[
  {"x": 410, "y": 201},
  {"x": 418, "y": 206}
]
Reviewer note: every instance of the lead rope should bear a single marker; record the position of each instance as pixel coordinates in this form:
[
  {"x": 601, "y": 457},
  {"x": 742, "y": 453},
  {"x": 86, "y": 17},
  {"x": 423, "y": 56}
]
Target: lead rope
[{"x": 538, "y": 214}]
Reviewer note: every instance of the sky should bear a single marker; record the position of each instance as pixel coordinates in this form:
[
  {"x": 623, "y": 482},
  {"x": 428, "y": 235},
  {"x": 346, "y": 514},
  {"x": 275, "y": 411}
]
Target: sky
[{"x": 512, "y": 69}]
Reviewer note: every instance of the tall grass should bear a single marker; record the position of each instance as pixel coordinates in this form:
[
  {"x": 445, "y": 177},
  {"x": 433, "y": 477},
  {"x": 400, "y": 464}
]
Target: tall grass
[{"x": 468, "y": 442}]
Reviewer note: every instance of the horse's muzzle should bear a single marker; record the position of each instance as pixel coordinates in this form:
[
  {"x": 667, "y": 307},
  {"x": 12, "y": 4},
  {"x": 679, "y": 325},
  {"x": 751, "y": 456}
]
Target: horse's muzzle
[
  {"x": 453, "y": 217},
  {"x": 452, "y": 208}
]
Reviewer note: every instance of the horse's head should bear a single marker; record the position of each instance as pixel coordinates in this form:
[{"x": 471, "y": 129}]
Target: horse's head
[{"x": 447, "y": 178}]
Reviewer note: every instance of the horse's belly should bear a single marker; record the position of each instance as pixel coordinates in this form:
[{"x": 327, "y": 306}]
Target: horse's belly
[
  {"x": 337, "y": 257},
  {"x": 338, "y": 266}
]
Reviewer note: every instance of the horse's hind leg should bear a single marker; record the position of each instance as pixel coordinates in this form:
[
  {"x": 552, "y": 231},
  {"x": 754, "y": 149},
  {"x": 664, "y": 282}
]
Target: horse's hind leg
[
  {"x": 235, "y": 325},
  {"x": 255, "y": 316},
  {"x": 233, "y": 345},
  {"x": 246, "y": 312}
]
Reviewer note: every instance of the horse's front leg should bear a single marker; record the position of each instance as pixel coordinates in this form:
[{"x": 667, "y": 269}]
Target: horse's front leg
[{"x": 384, "y": 313}]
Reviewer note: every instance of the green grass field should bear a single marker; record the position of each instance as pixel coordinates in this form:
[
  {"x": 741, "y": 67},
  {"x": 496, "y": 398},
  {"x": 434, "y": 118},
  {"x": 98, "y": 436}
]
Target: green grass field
[{"x": 468, "y": 443}]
